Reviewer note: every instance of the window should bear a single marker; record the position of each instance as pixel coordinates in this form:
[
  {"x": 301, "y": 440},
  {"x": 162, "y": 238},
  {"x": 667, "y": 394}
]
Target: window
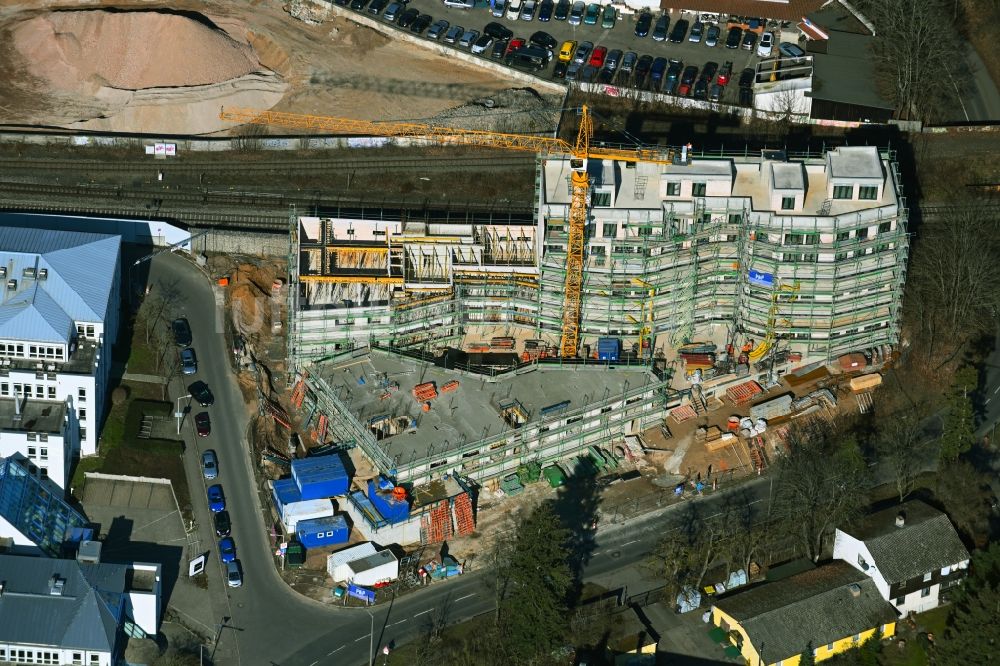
[
  {"x": 855, "y": 638},
  {"x": 83, "y": 414},
  {"x": 829, "y": 647},
  {"x": 44, "y": 471},
  {"x": 945, "y": 571},
  {"x": 52, "y": 392},
  {"x": 77, "y": 657},
  {"x": 843, "y": 235},
  {"x": 95, "y": 659},
  {"x": 602, "y": 199},
  {"x": 924, "y": 593},
  {"x": 868, "y": 193},
  {"x": 735, "y": 218},
  {"x": 82, "y": 395},
  {"x": 43, "y": 454},
  {"x": 90, "y": 331},
  {"x": 698, "y": 189},
  {"x": 610, "y": 230},
  {"x": 83, "y": 434},
  {"x": 862, "y": 563},
  {"x": 787, "y": 203},
  {"x": 793, "y": 239},
  {"x": 862, "y": 233},
  {"x": 673, "y": 189},
  {"x": 885, "y": 227},
  {"x": 4, "y": 389},
  {"x": 927, "y": 576},
  {"x": 843, "y": 191},
  {"x": 39, "y": 391}
]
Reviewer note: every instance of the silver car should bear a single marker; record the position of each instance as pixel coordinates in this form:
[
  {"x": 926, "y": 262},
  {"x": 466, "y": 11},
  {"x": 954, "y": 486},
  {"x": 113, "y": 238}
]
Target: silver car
[
  {"x": 189, "y": 362},
  {"x": 234, "y": 577},
  {"x": 577, "y": 12},
  {"x": 468, "y": 38},
  {"x": 454, "y": 33},
  {"x": 209, "y": 464},
  {"x": 498, "y": 9},
  {"x": 582, "y": 54},
  {"x": 438, "y": 29},
  {"x": 528, "y": 10},
  {"x": 628, "y": 62}
]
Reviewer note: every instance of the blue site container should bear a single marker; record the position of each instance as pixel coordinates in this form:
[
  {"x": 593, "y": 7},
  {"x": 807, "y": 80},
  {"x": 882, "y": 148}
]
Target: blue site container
[
  {"x": 609, "y": 349},
  {"x": 285, "y": 493},
  {"x": 392, "y": 509},
  {"x": 319, "y": 532},
  {"x": 320, "y": 477}
]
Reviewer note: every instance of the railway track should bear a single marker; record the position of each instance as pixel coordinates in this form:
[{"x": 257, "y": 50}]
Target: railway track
[{"x": 388, "y": 165}]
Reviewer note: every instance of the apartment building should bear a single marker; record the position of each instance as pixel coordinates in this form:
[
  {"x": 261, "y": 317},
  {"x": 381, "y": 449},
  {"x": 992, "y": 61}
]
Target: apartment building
[{"x": 59, "y": 314}]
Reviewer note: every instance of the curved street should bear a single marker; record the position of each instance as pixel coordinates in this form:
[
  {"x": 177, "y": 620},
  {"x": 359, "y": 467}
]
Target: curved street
[{"x": 268, "y": 622}]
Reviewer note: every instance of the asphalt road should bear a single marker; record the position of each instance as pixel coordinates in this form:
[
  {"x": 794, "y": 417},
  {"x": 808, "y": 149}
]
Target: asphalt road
[
  {"x": 622, "y": 36},
  {"x": 268, "y": 622}
]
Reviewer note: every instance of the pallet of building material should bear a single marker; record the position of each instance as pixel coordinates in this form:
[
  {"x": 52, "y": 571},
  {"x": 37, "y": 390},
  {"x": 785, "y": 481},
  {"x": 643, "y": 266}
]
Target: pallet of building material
[
  {"x": 853, "y": 361},
  {"x": 698, "y": 348},
  {"x": 449, "y": 386},
  {"x": 698, "y": 358},
  {"x": 502, "y": 343},
  {"x": 596, "y": 457},
  {"x": 865, "y": 382},
  {"x": 425, "y": 391},
  {"x": 478, "y": 347},
  {"x": 683, "y": 413},
  {"x": 511, "y": 485},
  {"x": 743, "y": 393},
  {"x": 534, "y": 344},
  {"x": 724, "y": 440}
]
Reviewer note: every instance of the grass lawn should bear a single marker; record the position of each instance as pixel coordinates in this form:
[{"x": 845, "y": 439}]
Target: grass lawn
[{"x": 914, "y": 654}]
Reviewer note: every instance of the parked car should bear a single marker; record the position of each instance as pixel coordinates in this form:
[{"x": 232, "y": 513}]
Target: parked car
[
  {"x": 715, "y": 92},
  {"x": 562, "y": 10},
  {"x": 661, "y": 28},
  {"x": 497, "y": 30},
  {"x": 790, "y": 50},
  {"x": 608, "y": 17},
  {"x": 746, "y": 97},
  {"x": 628, "y": 62},
  {"x": 697, "y": 32},
  {"x": 642, "y": 67},
  {"x": 422, "y": 23},
  {"x": 670, "y": 85},
  {"x": 680, "y": 29},
  {"x": 545, "y": 10},
  {"x": 566, "y": 50},
  {"x": 203, "y": 424},
  {"x": 592, "y": 14},
  {"x": 391, "y": 12},
  {"x": 358, "y": 5},
  {"x": 712, "y": 35},
  {"x": 612, "y": 60},
  {"x": 573, "y": 71},
  {"x": 766, "y": 45},
  {"x": 532, "y": 58},
  {"x": 499, "y": 48},
  {"x": 216, "y": 499},
  {"x": 687, "y": 80},
  {"x": 656, "y": 73},
  {"x": 559, "y": 71},
  {"x": 201, "y": 393},
  {"x": 480, "y": 45},
  {"x": 597, "y": 57},
  {"x": 209, "y": 464},
  {"x": 528, "y": 10},
  {"x": 376, "y": 6},
  {"x": 747, "y": 77},
  {"x": 514, "y": 45},
  {"x": 468, "y": 38},
  {"x": 438, "y": 29},
  {"x": 454, "y": 33},
  {"x": 543, "y": 39},
  {"x": 700, "y": 89},
  {"x": 460, "y": 4},
  {"x": 583, "y": 52},
  {"x": 588, "y": 73},
  {"x": 234, "y": 577},
  {"x": 708, "y": 71},
  {"x": 725, "y": 72},
  {"x": 513, "y": 9},
  {"x": 749, "y": 39},
  {"x": 407, "y": 18},
  {"x": 227, "y": 549},
  {"x": 223, "y": 525},
  {"x": 734, "y": 38},
  {"x": 642, "y": 24},
  {"x": 498, "y": 9},
  {"x": 189, "y": 361},
  {"x": 577, "y": 12},
  {"x": 182, "y": 332}
]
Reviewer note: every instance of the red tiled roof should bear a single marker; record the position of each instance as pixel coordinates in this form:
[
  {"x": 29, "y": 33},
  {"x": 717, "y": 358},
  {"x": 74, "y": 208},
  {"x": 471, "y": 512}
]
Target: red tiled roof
[
  {"x": 784, "y": 10},
  {"x": 812, "y": 31}
]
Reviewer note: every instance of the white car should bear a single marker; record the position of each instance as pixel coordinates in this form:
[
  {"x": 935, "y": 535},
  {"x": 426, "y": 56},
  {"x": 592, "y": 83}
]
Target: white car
[
  {"x": 513, "y": 9},
  {"x": 498, "y": 9},
  {"x": 765, "y": 45},
  {"x": 234, "y": 577}
]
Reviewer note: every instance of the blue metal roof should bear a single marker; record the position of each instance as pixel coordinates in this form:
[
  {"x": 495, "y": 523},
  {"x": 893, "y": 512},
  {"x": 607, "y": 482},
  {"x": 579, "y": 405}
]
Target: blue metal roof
[{"x": 81, "y": 271}]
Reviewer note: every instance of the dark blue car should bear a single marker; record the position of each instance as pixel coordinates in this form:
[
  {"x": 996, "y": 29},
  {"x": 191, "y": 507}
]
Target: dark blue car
[
  {"x": 216, "y": 500},
  {"x": 656, "y": 73},
  {"x": 227, "y": 549}
]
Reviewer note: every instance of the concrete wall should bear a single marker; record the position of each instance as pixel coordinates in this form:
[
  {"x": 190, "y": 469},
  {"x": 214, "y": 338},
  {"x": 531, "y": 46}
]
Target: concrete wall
[{"x": 240, "y": 242}]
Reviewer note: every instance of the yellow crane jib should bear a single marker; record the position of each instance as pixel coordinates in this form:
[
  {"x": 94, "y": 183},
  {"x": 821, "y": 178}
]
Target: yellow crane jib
[{"x": 765, "y": 345}]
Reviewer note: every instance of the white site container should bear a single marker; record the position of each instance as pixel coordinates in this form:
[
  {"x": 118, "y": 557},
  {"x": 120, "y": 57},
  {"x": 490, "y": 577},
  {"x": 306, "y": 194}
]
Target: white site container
[{"x": 295, "y": 511}]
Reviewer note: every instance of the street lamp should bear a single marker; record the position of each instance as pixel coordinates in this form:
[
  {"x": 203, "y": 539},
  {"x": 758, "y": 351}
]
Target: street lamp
[
  {"x": 179, "y": 414},
  {"x": 371, "y": 640}
]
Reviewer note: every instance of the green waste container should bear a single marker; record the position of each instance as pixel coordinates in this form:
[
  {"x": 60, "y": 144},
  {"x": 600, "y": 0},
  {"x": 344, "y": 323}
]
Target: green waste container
[{"x": 554, "y": 475}]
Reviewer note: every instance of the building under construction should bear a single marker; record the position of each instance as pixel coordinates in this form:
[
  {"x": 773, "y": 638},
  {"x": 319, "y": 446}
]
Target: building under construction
[{"x": 766, "y": 257}]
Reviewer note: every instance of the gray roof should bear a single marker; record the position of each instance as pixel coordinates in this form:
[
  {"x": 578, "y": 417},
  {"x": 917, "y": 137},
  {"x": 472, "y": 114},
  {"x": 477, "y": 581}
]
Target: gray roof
[
  {"x": 84, "y": 616},
  {"x": 788, "y": 175},
  {"x": 926, "y": 542},
  {"x": 372, "y": 561},
  {"x": 855, "y": 162},
  {"x": 846, "y": 72},
  {"x": 81, "y": 274},
  {"x": 817, "y": 607}
]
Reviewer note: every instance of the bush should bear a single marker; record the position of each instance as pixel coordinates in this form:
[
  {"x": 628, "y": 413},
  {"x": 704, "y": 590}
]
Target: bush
[{"x": 119, "y": 395}]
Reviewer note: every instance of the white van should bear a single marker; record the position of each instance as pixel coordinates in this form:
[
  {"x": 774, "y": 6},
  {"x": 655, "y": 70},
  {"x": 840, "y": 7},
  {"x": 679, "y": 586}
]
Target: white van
[
  {"x": 514, "y": 10},
  {"x": 460, "y": 4}
]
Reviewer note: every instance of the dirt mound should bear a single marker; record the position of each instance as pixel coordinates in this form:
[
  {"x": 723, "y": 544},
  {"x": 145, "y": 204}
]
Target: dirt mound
[{"x": 130, "y": 50}]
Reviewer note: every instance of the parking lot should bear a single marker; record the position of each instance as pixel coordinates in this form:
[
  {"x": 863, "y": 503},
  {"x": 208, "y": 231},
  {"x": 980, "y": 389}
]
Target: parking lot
[{"x": 622, "y": 37}]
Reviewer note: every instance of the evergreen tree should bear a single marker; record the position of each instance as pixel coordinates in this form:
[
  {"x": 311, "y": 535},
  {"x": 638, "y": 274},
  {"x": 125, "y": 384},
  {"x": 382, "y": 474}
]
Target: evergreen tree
[
  {"x": 959, "y": 431},
  {"x": 971, "y": 636},
  {"x": 807, "y": 658}
]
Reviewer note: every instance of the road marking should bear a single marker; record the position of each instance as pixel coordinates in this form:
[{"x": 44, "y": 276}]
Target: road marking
[
  {"x": 996, "y": 390},
  {"x": 422, "y": 612},
  {"x": 395, "y": 623},
  {"x": 466, "y": 596},
  {"x": 629, "y": 543},
  {"x": 314, "y": 663},
  {"x": 361, "y": 638},
  {"x": 335, "y": 651}
]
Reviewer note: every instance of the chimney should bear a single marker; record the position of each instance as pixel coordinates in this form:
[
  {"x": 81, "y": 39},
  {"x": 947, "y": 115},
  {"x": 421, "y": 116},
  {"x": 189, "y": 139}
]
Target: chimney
[
  {"x": 900, "y": 519},
  {"x": 855, "y": 590},
  {"x": 56, "y": 585}
]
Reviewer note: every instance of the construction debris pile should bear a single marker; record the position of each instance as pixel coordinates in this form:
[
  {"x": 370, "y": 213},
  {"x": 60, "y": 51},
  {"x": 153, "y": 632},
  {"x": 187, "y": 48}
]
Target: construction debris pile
[{"x": 515, "y": 110}]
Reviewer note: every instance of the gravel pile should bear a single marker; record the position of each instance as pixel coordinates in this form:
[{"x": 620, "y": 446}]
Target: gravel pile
[
  {"x": 515, "y": 110},
  {"x": 130, "y": 50}
]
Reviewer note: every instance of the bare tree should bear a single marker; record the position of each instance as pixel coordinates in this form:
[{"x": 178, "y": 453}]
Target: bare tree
[
  {"x": 902, "y": 446},
  {"x": 916, "y": 46}
]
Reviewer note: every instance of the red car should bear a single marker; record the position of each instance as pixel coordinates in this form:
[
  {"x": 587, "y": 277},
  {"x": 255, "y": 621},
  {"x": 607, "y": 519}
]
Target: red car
[
  {"x": 725, "y": 73},
  {"x": 514, "y": 45},
  {"x": 203, "y": 424},
  {"x": 597, "y": 57}
]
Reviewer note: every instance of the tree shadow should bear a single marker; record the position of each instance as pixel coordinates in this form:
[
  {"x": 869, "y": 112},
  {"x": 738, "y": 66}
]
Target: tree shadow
[{"x": 576, "y": 504}]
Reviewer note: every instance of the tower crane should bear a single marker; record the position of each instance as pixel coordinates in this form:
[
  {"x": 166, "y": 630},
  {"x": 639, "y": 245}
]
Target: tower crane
[{"x": 579, "y": 153}]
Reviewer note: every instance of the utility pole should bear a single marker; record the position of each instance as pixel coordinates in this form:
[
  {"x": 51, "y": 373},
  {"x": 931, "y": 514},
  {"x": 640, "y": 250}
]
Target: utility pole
[{"x": 371, "y": 640}]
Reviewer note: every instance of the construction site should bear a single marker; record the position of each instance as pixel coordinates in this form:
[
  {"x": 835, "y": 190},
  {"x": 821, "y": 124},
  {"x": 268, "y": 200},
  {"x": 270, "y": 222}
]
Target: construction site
[{"x": 476, "y": 344}]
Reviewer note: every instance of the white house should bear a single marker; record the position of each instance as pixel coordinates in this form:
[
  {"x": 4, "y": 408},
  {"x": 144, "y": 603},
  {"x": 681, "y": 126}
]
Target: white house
[
  {"x": 912, "y": 552},
  {"x": 74, "y": 611},
  {"x": 59, "y": 308}
]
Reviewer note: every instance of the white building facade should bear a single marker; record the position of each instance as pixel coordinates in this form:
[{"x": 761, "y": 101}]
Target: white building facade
[{"x": 59, "y": 313}]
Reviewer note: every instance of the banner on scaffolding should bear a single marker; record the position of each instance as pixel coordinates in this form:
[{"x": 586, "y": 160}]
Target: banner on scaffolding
[{"x": 761, "y": 279}]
